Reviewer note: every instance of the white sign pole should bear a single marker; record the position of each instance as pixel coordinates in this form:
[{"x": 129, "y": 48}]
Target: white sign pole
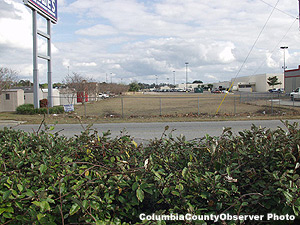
[
  {"x": 50, "y": 92},
  {"x": 35, "y": 62}
]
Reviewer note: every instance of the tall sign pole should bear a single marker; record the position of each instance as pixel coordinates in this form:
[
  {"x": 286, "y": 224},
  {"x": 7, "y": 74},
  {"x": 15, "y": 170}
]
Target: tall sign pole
[
  {"x": 47, "y": 9},
  {"x": 50, "y": 92},
  {"x": 35, "y": 62}
]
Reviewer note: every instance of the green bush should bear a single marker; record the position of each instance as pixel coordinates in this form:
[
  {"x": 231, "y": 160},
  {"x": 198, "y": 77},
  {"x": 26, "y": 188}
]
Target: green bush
[
  {"x": 56, "y": 110},
  {"x": 28, "y": 109},
  {"x": 92, "y": 179}
]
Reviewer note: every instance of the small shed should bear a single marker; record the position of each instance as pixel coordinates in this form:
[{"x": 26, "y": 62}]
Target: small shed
[{"x": 10, "y": 99}]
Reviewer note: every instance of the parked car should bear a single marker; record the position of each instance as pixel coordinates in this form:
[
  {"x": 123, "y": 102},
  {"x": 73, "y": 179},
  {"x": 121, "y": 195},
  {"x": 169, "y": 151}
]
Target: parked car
[
  {"x": 102, "y": 95},
  {"x": 276, "y": 90},
  {"x": 217, "y": 91},
  {"x": 295, "y": 94}
]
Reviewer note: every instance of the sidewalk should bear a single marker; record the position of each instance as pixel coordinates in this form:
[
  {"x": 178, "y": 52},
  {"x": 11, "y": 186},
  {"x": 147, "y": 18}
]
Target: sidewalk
[{"x": 11, "y": 122}]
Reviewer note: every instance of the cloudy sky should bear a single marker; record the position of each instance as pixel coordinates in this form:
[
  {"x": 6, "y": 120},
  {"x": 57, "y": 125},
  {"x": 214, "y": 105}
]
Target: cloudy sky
[{"x": 126, "y": 40}]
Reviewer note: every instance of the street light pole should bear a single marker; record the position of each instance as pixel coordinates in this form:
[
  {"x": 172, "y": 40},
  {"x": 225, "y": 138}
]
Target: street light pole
[
  {"x": 284, "y": 67},
  {"x": 174, "y": 78},
  {"x": 186, "y": 75}
]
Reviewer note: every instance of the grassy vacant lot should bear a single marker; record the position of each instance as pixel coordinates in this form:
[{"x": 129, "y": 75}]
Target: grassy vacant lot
[{"x": 164, "y": 107}]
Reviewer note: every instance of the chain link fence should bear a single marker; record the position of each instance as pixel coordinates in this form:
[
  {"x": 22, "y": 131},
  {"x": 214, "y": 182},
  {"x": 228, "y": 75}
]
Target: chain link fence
[
  {"x": 270, "y": 101},
  {"x": 179, "y": 105}
]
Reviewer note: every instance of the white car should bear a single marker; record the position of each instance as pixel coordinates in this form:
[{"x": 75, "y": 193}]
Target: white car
[
  {"x": 102, "y": 95},
  {"x": 295, "y": 94}
]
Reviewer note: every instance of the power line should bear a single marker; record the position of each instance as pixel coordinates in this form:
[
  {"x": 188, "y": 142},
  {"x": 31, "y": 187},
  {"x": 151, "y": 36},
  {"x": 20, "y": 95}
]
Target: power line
[
  {"x": 248, "y": 55},
  {"x": 276, "y": 47},
  {"x": 278, "y": 9}
]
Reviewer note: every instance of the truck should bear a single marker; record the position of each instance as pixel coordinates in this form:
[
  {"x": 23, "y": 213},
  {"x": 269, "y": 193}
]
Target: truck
[{"x": 295, "y": 94}]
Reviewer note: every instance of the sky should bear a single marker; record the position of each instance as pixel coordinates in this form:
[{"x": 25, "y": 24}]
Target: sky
[{"x": 123, "y": 41}]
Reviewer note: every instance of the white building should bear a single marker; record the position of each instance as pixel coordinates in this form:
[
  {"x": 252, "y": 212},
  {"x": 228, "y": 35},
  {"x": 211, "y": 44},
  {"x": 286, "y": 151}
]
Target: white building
[
  {"x": 253, "y": 83},
  {"x": 257, "y": 83},
  {"x": 221, "y": 85},
  {"x": 55, "y": 96},
  {"x": 190, "y": 87},
  {"x": 12, "y": 98},
  {"x": 67, "y": 96}
]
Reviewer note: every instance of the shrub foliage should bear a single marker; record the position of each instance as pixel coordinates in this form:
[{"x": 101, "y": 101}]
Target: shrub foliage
[
  {"x": 93, "y": 179},
  {"x": 28, "y": 109}
]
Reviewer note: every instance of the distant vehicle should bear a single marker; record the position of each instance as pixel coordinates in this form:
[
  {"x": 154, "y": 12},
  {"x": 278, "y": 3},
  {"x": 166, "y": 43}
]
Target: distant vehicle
[
  {"x": 216, "y": 91},
  {"x": 102, "y": 95},
  {"x": 276, "y": 90},
  {"x": 295, "y": 94},
  {"x": 180, "y": 90},
  {"x": 224, "y": 91}
]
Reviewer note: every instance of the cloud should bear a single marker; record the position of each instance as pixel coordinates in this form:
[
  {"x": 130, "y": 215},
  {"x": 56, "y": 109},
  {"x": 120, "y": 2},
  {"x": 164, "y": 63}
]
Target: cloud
[
  {"x": 86, "y": 64},
  {"x": 15, "y": 25},
  {"x": 7, "y": 10},
  {"x": 98, "y": 30},
  {"x": 137, "y": 39},
  {"x": 211, "y": 77}
]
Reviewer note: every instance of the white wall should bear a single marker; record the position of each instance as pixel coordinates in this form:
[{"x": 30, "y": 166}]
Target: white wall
[
  {"x": 68, "y": 98},
  {"x": 28, "y": 97},
  {"x": 55, "y": 96}
]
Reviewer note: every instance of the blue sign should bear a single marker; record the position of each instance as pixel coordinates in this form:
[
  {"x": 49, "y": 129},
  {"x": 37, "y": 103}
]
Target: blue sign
[
  {"x": 69, "y": 108},
  {"x": 47, "y": 8}
]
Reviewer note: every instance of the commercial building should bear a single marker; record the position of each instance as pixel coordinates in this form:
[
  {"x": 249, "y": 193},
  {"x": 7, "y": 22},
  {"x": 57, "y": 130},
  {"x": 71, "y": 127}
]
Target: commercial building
[
  {"x": 256, "y": 83},
  {"x": 253, "y": 83},
  {"x": 291, "y": 79}
]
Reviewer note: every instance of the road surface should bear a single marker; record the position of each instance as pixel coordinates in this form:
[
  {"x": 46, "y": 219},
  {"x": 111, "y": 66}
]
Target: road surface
[{"x": 146, "y": 131}]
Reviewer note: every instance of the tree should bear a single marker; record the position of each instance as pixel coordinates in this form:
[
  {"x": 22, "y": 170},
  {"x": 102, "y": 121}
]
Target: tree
[
  {"x": 210, "y": 86},
  {"x": 76, "y": 82},
  {"x": 44, "y": 86},
  {"x": 134, "y": 86},
  {"x": 24, "y": 83},
  {"x": 272, "y": 81},
  {"x": 58, "y": 85},
  {"x": 197, "y": 82},
  {"x": 7, "y": 78}
]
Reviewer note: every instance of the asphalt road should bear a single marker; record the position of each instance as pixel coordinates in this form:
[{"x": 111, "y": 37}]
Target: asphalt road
[{"x": 146, "y": 131}]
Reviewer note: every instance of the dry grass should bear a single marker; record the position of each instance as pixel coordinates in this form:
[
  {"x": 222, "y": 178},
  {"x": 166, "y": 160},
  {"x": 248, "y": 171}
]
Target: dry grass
[
  {"x": 175, "y": 107},
  {"x": 171, "y": 104}
]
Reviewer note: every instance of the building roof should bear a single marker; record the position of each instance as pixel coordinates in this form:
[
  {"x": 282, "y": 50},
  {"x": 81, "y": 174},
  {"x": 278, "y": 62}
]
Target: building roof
[{"x": 25, "y": 89}]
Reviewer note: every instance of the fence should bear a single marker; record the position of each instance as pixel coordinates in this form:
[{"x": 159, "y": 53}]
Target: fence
[
  {"x": 270, "y": 100},
  {"x": 182, "y": 105}
]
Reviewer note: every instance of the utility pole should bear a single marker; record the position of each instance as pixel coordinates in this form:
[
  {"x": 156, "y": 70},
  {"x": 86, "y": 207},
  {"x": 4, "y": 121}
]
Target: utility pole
[
  {"x": 186, "y": 75},
  {"x": 174, "y": 77}
]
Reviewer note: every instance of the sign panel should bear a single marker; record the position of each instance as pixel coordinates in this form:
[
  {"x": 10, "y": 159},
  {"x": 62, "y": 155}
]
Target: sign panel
[
  {"x": 47, "y": 8},
  {"x": 69, "y": 108}
]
